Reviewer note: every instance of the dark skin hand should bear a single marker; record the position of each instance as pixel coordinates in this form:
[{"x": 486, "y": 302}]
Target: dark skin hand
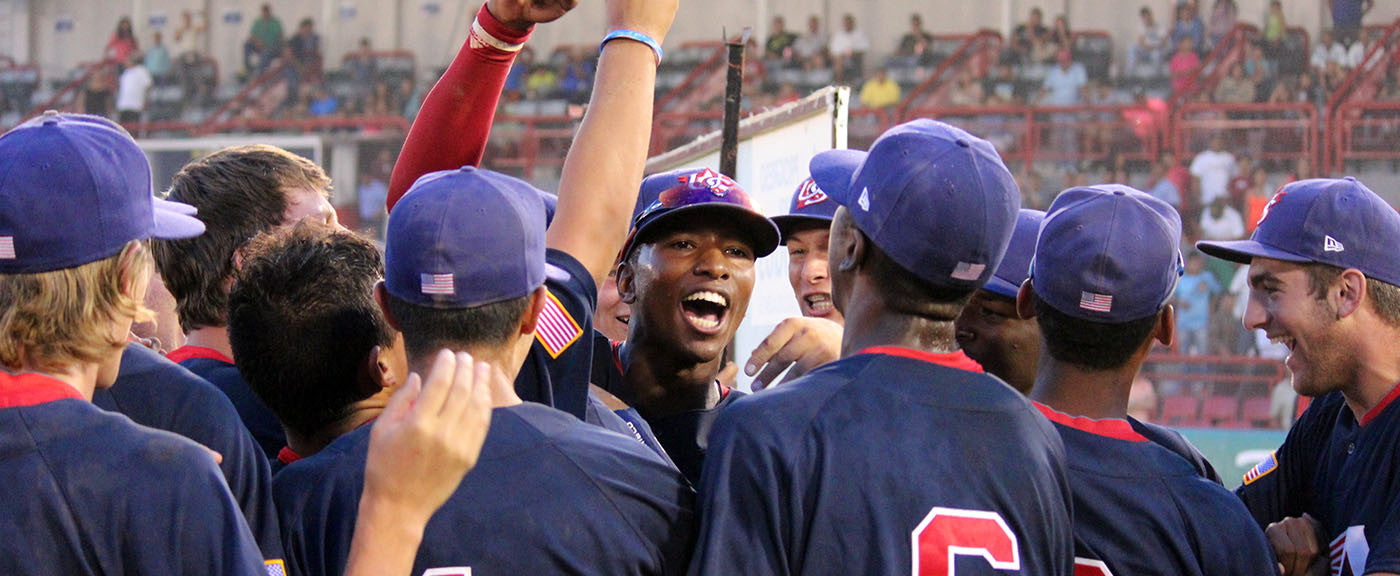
[
  {"x": 522, "y": 14},
  {"x": 1296, "y": 544}
]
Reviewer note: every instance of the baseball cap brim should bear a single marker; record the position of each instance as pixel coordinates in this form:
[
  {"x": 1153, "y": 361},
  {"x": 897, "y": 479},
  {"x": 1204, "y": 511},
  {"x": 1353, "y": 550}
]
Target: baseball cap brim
[
  {"x": 172, "y": 224},
  {"x": 760, "y": 229},
  {"x": 790, "y": 223},
  {"x": 1243, "y": 251},
  {"x": 176, "y": 207},
  {"x": 1001, "y": 287},
  {"x": 832, "y": 170}
]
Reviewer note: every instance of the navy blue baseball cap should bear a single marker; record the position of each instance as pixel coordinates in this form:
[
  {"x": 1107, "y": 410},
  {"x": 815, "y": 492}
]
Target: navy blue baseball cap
[
  {"x": 1339, "y": 222},
  {"x": 1108, "y": 253},
  {"x": 701, "y": 191},
  {"x": 937, "y": 200},
  {"x": 1016, "y": 264},
  {"x": 76, "y": 189},
  {"x": 465, "y": 238},
  {"x": 811, "y": 206}
]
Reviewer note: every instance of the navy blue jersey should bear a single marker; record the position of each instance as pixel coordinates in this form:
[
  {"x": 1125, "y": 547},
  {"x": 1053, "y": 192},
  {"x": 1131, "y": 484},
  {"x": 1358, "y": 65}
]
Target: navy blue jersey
[
  {"x": 1344, "y": 474},
  {"x": 155, "y": 392},
  {"x": 93, "y": 493},
  {"x": 685, "y": 436},
  {"x": 1141, "y": 509},
  {"x": 219, "y": 370},
  {"x": 556, "y": 372},
  {"x": 549, "y": 495},
  {"x": 625, "y": 422},
  {"x": 881, "y": 462},
  {"x": 1174, "y": 441}
]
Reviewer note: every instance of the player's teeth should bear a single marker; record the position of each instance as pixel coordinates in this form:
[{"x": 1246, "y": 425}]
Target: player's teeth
[
  {"x": 705, "y": 323},
  {"x": 708, "y": 296}
]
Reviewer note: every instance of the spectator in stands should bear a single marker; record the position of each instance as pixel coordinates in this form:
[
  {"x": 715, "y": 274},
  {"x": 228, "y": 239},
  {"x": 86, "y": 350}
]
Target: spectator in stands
[
  {"x": 412, "y": 96},
  {"x": 1150, "y": 47},
  {"x": 1178, "y": 173},
  {"x": 780, "y": 41},
  {"x": 848, "y": 49},
  {"x": 787, "y": 93},
  {"x": 264, "y": 42},
  {"x": 1283, "y": 403},
  {"x": 1002, "y": 84},
  {"x": 97, "y": 93},
  {"x": 1194, "y": 293},
  {"x": 1321, "y": 51},
  {"x": 1183, "y": 66},
  {"x": 1258, "y": 198},
  {"x": 916, "y": 46},
  {"x": 1228, "y": 336},
  {"x": 1064, "y": 84},
  {"x": 1162, "y": 187},
  {"x": 967, "y": 91},
  {"x": 122, "y": 43},
  {"x": 158, "y": 57},
  {"x": 1223, "y": 15},
  {"x": 304, "y": 51},
  {"x": 132, "y": 87},
  {"x": 519, "y": 72},
  {"x": 1275, "y": 32},
  {"x": 1213, "y": 168},
  {"x": 1235, "y": 87},
  {"x": 1242, "y": 183},
  {"x": 361, "y": 67},
  {"x": 577, "y": 81},
  {"x": 1309, "y": 89},
  {"x": 811, "y": 49},
  {"x": 1061, "y": 38},
  {"x": 372, "y": 193},
  {"x": 1346, "y": 56},
  {"x": 189, "y": 44},
  {"x": 1028, "y": 33},
  {"x": 1188, "y": 26},
  {"x": 1302, "y": 170},
  {"x": 880, "y": 91},
  {"x": 1221, "y": 221},
  {"x": 322, "y": 103},
  {"x": 1346, "y": 18},
  {"x": 542, "y": 83}
]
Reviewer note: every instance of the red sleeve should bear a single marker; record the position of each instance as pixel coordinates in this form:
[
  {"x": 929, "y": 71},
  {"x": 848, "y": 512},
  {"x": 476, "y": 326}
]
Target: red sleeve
[{"x": 451, "y": 128}]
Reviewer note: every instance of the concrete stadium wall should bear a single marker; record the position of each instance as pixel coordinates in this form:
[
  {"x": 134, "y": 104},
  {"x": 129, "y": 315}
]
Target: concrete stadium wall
[{"x": 64, "y": 33}]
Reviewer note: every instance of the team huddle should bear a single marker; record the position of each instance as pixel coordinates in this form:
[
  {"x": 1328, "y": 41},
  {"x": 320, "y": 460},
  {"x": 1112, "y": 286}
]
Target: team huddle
[{"x": 525, "y": 383}]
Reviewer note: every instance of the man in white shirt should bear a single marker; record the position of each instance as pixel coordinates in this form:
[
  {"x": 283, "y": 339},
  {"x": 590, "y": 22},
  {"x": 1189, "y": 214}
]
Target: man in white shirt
[
  {"x": 811, "y": 47},
  {"x": 1151, "y": 44},
  {"x": 1212, "y": 169},
  {"x": 848, "y": 48},
  {"x": 1220, "y": 221},
  {"x": 131, "y": 90}
]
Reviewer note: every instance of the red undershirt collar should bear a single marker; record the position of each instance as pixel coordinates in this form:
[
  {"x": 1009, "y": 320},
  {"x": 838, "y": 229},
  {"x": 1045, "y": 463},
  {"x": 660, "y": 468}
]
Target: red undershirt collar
[
  {"x": 187, "y": 352},
  {"x": 957, "y": 359},
  {"x": 30, "y": 389},
  {"x": 287, "y": 456},
  {"x": 1381, "y": 406},
  {"x": 1116, "y": 428}
]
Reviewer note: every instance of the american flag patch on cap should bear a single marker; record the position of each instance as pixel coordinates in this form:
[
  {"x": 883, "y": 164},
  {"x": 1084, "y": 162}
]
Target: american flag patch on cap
[
  {"x": 1095, "y": 302},
  {"x": 1261, "y": 469},
  {"x": 968, "y": 271},
  {"x": 437, "y": 284},
  {"x": 275, "y": 568},
  {"x": 556, "y": 329},
  {"x": 7, "y": 247}
]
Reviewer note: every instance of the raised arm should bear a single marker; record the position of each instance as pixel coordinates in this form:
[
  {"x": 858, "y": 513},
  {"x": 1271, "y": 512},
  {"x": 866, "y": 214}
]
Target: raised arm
[
  {"x": 451, "y": 128},
  {"x": 603, "y": 170}
]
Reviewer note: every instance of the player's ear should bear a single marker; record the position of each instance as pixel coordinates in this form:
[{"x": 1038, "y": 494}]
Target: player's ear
[
  {"x": 1347, "y": 291},
  {"x": 626, "y": 275},
  {"x": 1165, "y": 332},
  {"x": 1025, "y": 301},
  {"x": 381, "y": 297},
  {"x": 847, "y": 246},
  {"x": 538, "y": 299},
  {"x": 376, "y": 373}
]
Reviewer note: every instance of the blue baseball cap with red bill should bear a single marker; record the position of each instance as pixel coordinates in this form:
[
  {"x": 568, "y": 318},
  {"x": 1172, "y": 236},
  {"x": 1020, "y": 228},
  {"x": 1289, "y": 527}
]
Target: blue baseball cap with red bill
[
  {"x": 703, "y": 193},
  {"x": 76, "y": 189},
  {"x": 1108, "y": 253},
  {"x": 1016, "y": 264},
  {"x": 1339, "y": 222},
  {"x": 936, "y": 199},
  {"x": 811, "y": 206},
  {"x": 465, "y": 238}
]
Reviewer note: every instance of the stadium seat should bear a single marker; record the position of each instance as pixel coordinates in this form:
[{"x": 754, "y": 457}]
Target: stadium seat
[
  {"x": 1181, "y": 410},
  {"x": 1220, "y": 410},
  {"x": 1256, "y": 413}
]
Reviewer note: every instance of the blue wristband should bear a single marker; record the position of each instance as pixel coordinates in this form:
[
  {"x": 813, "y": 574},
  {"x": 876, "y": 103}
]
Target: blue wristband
[{"x": 636, "y": 37}]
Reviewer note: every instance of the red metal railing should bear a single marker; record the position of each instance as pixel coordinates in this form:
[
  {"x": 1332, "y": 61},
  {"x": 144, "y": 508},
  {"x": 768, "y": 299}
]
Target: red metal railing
[
  {"x": 523, "y": 145},
  {"x": 1365, "y": 130},
  {"x": 1069, "y": 133},
  {"x": 1358, "y": 88},
  {"x": 66, "y": 95},
  {"x": 975, "y": 44},
  {"x": 1276, "y": 132}
]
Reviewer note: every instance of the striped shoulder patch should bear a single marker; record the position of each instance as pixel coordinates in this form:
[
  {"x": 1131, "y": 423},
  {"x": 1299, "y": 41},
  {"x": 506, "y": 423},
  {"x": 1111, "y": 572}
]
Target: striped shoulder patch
[
  {"x": 557, "y": 329},
  {"x": 1261, "y": 469}
]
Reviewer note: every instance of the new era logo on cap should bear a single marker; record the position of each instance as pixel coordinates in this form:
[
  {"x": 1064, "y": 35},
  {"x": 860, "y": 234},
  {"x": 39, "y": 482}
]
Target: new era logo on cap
[
  {"x": 7, "y": 247},
  {"x": 864, "y": 200},
  {"x": 1330, "y": 244},
  {"x": 438, "y": 284},
  {"x": 1096, "y": 302}
]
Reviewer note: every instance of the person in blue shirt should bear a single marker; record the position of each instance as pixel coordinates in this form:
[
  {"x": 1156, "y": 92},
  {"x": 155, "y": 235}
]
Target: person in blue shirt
[{"x": 1194, "y": 295}]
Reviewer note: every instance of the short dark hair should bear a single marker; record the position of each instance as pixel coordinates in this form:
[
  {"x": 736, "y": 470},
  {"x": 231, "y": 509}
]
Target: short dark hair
[
  {"x": 904, "y": 292},
  {"x": 302, "y": 321},
  {"x": 240, "y": 192},
  {"x": 1093, "y": 345},
  {"x": 1385, "y": 297},
  {"x": 427, "y": 330}
]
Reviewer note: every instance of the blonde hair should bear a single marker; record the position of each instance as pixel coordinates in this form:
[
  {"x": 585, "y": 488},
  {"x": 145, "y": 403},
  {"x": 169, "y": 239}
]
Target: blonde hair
[{"x": 51, "y": 320}]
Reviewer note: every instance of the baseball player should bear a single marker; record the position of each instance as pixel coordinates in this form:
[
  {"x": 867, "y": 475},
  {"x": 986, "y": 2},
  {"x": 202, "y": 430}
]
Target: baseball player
[
  {"x": 240, "y": 192},
  {"x": 1325, "y": 281},
  {"x": 1105, "y": 267},
  {"x": 101, "y": 495},
  {"x": 805, "y": 230},
  {"x": 465, "y": 268},
  {"x": 902, "y": 456}
]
